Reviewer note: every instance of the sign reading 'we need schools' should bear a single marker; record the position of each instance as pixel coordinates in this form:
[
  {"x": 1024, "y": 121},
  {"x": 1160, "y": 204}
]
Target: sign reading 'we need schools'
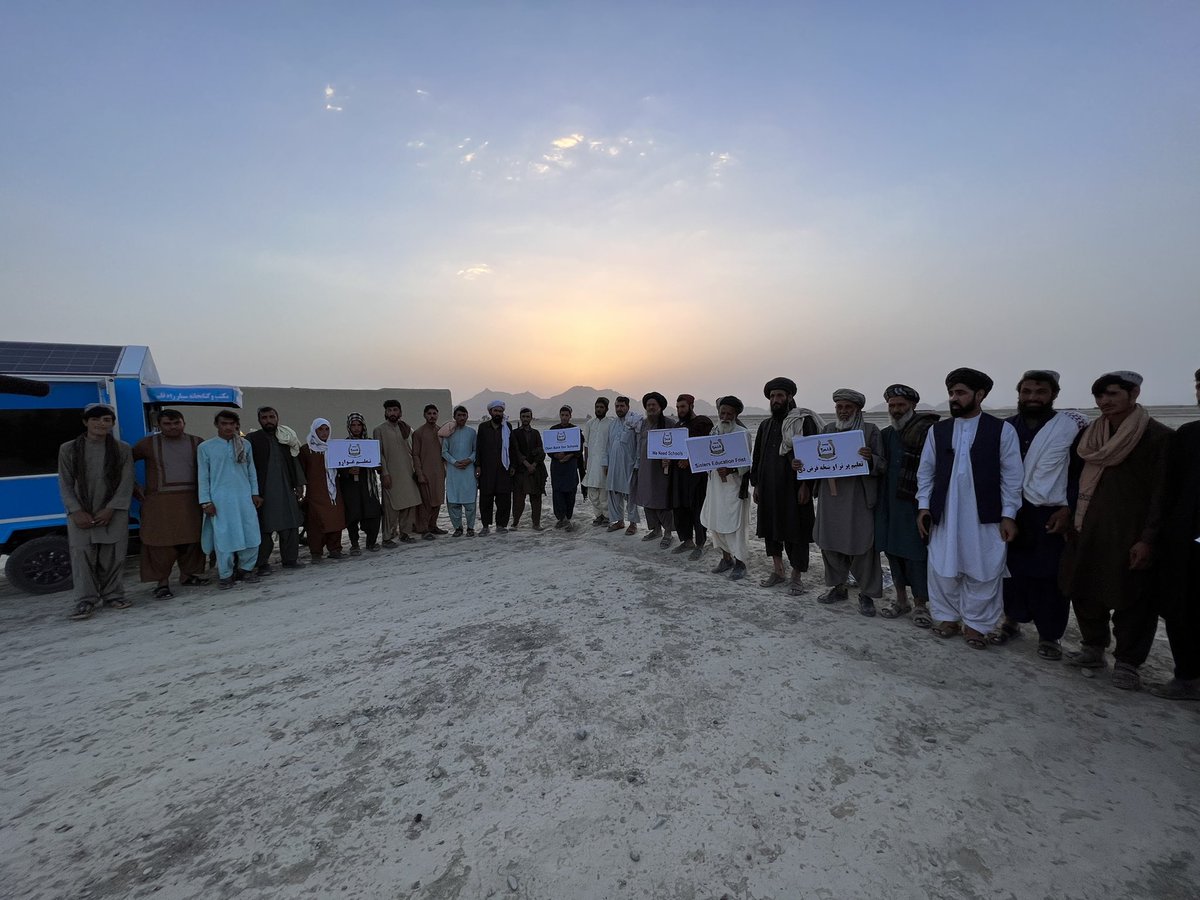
[
  {"x": 719, "y": 451},
  {"x": 667, "y": 443}
]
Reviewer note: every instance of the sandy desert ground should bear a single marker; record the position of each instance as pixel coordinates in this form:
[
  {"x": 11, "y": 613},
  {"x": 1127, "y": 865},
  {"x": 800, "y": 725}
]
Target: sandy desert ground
[{"x": 569, "y": 716}]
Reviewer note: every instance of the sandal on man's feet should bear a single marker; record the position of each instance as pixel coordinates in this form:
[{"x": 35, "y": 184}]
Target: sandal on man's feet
[
  {"x": 834, "y": 595},
  {"x": 193, "y": 581},
  {"x": 1049, "y": 650},
  {"x": 118, "y": 604},
  {"x": 162, "y": 592},
  {"x": 84, "y": 609},
  {"x": 771, "y": 580},
  {"x": 894, "y": 609},
  {"x": 946, "y": 629},
  {"x": 976, "y": 640},
  {"x": 921, "y": 617},
  {"x": 1003, "y": 633}
]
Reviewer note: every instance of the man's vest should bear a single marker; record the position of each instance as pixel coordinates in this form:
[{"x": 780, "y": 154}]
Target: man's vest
[{"x": 985, "y": 467}]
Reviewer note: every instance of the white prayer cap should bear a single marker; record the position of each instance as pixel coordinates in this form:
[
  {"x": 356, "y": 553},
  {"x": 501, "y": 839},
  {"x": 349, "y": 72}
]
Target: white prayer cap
[{"x": 495, "y": 404}]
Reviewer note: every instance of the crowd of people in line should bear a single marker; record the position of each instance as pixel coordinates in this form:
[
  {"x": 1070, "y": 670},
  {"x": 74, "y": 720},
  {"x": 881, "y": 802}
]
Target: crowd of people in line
[{"x": 988, "y": 525}]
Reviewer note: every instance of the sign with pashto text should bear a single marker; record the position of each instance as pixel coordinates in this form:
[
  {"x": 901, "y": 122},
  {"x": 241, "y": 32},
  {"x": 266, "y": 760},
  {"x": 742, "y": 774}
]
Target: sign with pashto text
[
  {"x": 349, "y": 453},
  {"x": 830, "y": 455},
  {"x": 719, "y": 451},
  {"x": 561, "y": 440},
  {"x": 667, "y": 443}
]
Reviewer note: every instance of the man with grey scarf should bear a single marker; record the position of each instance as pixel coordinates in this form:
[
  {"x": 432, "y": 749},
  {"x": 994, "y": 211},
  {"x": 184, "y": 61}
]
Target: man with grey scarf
[{"x": 95, "y": 481}]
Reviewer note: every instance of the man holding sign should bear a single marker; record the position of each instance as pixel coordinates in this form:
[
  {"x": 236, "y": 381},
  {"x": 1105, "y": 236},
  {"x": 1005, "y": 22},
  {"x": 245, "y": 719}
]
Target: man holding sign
[
  {"x": 845, "y": 527},
  {"x": 566, "y": 468},
  {"x": 688, "y": 488},
  {"x": 726, "y": 511}
]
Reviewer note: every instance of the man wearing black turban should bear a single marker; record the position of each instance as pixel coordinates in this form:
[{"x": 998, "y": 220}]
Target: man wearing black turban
[
  {"x": 653, "y": 490},
  {"x": 785, "y": 512},
  {"x": 968, "y": 491}
]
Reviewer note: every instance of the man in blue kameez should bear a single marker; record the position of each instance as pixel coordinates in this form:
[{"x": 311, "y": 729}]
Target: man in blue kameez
[
  {"x": 458, "y": 450},
  {"x": 229, "y": 499}
]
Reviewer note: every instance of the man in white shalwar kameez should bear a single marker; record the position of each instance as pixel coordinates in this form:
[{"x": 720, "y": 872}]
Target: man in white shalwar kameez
[
  {"x": 968, "y": 494},
  {"x": 595, "y": 454},
  {"x": 726, "y": 510},
  {"x": 620, "y": 469}
]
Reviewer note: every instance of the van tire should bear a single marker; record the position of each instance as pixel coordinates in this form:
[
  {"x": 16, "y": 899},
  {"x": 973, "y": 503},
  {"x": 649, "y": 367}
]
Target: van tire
[{"x": 40, "y": 566}]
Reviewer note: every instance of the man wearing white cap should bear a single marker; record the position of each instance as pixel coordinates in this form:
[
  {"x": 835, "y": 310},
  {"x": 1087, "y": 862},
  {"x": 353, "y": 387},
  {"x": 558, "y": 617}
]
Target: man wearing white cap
[
  {"x": 1115, "y": 488},
  {"x": 95, "y": 481},
  {"x": 494, "y": 467}
]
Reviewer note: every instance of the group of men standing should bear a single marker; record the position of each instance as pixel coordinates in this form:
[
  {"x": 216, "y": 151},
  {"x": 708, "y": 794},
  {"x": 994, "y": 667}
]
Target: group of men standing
[{"x": 987, "y": 525}]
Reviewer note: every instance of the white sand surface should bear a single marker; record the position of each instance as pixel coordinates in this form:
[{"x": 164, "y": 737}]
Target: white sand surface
[{"x": 571, "y": 716}]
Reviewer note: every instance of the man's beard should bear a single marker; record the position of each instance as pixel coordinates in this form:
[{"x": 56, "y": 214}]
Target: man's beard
[
  {"x": 496, "y": 420},
  {"x": 844, "y": 424},
  {"x": 270, "y": 429},
  {"x": 778, "y": 408},
  {"x": 602, "y": 413},
  {"x": 903, "y": 419},
  {"x": 683, "y": 417},
  {"x": 958, "y": 410},
  {"x": 1040, "y": 412}
]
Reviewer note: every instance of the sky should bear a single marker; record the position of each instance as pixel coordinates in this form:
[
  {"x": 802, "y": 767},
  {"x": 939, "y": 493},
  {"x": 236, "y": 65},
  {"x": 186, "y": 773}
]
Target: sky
[{"x": 672, "y": 196}]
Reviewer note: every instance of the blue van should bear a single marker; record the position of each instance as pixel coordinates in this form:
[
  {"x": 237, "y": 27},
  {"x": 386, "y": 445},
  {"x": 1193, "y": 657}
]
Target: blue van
[{"x": 66, "y": 378}]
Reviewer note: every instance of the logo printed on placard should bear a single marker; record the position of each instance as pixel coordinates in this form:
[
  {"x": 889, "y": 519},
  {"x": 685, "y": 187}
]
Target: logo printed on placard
[
  {"x": 354, "y": 450},
  {"x": 561, "y": 436},
  {"x": 716, "y": 447},
  {"x": 826, "y": 450},
  {"x": 668, "y": 439}
]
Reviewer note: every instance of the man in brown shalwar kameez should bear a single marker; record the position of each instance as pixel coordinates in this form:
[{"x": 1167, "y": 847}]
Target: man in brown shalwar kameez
[
  {"x": 431, "y": 474},
  {"x": 95, "y": 481},
  {"x": 1114, "y": 488},
  {"x": 401, "y": 495},
  {"x": 171, "y": 520}
]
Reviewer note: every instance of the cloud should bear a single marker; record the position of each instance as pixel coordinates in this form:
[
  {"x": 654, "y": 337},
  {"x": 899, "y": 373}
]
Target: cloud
[
  {"x": 474, "y": 272},
  {"x": 567, "y": 141}
]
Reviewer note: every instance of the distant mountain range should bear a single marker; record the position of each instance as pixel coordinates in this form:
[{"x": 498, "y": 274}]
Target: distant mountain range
[{"x": 581, "y": 399}]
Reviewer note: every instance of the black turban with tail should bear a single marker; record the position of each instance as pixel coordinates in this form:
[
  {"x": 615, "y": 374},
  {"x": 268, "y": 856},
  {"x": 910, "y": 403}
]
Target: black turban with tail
[
  {"x": 972, "y": 378},
  {"x": 780, "y": 384}
]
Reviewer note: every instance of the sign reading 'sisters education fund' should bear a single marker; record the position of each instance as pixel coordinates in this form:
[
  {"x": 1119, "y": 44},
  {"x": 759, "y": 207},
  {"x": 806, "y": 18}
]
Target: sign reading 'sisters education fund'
[
  {"x": 347, "y": 454},
  {"x": 719, "y": 451}
]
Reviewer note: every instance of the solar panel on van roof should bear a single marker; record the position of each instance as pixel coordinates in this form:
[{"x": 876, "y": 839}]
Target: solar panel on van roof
[{"x": 20, "y": 358}]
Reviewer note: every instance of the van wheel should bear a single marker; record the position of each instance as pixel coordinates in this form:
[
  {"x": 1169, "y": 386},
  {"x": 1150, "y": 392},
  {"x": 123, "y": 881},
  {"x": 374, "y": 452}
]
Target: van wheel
[{"x": 40, "y": 566}]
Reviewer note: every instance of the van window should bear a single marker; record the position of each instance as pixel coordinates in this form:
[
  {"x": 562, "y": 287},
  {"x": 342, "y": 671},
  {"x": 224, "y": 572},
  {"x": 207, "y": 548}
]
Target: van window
[{"x": 32, "y": 438}]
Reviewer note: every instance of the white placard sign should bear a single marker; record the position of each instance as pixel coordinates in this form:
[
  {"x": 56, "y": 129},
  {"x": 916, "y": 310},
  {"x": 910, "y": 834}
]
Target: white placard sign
[
  {"x": 719, "y": 451},
  {"x": 561, "y": 440},
  {"x": 349, "y": 453},
  {"x": 667, "y": 443},
  {"x": 833, "y": 455}
]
